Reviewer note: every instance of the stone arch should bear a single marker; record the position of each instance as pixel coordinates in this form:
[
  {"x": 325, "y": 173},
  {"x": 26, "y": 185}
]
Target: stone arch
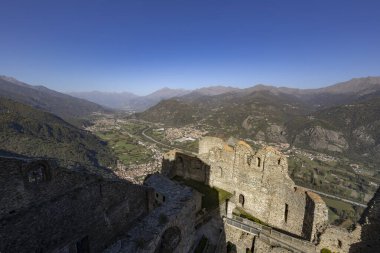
[
  {"x": 219, "y": 172},
  {"x": 170, "y": 240}
]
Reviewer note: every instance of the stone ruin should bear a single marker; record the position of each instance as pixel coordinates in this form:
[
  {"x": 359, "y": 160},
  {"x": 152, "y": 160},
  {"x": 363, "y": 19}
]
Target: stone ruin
[
  {"x": 261, "y": 186},
  {"x": 47, "y": 208},
  {"x": 259, "y": 182}
]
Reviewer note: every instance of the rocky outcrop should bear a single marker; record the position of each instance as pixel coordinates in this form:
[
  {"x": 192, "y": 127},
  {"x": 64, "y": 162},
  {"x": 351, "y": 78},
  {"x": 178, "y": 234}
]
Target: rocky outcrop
[
  {"x": 320, "y": 138},
  {"x": 276, "y": 133},
  {"x": 362, "y": 137},
  {"x": 248, "y": 123}
]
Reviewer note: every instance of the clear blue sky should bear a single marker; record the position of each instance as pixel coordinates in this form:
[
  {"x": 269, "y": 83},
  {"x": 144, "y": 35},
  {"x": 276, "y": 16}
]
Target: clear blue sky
[{"x": 141, "y": 45}]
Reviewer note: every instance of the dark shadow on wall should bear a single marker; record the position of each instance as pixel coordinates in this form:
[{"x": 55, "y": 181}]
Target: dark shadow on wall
[
  {"x": 187, "y": 167},
  {"x": 193, "y": 172},
  {"x": 45, "y": 207}
]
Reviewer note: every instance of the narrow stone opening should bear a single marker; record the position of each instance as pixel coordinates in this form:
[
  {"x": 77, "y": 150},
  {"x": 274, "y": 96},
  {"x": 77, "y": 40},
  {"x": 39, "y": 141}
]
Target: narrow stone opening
[
  {"x": 219, "y": 172},
  {"x": 286, "y": 213},
  {"x": 258, "y": 162},
  {"x": 279, "y": 161},
  {"x": 340, "y": 244},
  {"x": 180, "y": 163},
  {"x": 241, "y": 200}
]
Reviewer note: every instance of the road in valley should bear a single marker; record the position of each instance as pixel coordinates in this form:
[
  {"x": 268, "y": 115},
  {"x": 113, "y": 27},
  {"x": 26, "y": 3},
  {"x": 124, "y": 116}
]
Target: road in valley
[
  {"x": 163, "y": 144},
  {"x": 336, "y": 197}
]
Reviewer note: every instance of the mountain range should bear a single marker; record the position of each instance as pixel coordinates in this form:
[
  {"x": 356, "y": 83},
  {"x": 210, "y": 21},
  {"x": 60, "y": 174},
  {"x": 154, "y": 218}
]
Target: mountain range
[
  {"x": 40, "y": 97},
  {"x": 342, "y": 118},
  {"x": 132, "y": 102},
  {"x": 327, "y": 96},
  {"x": 28, "y": 131}
]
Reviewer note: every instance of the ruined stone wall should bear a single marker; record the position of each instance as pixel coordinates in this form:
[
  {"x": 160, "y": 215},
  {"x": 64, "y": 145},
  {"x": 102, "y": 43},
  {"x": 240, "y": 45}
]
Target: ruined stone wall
[
  {"x": 261, "y": 178},
  {"x": 64, "y": 209},
  {"x": 316, "y": 216},
  {"x": 18, "y": 192},
  {"x": 206, "y": 143},
  {"x": 186, "y": 166},
  {"x": 370, "y": 228},
  {"x": 263, "y": 246},
  {"x": 241, "y": 240},
  {"x": 168, "y": 228},
  {"x": 245, "y": 242},
  {"x": 338, "y": 239},
  {"x": 168, "y": 167},
  {"x": 259, "y": 182},
  {"x": 363, "y": 239}
]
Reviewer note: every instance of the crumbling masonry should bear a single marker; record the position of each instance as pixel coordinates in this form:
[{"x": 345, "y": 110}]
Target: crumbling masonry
[
  {"x": 261, "y": 186},
  {"x": 47, "y": 208},
  {"x": 259, "y": 182}
]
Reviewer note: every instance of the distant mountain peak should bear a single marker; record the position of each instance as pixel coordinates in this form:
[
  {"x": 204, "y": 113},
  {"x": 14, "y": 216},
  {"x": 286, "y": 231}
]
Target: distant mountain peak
[
  {"x": 166, "y": 93},
  {"x": 212, "y": 91},
  {"x": 13, "y": 80}
]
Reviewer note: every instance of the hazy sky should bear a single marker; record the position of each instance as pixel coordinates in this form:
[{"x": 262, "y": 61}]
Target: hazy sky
[{"x": 141, "y": 45}]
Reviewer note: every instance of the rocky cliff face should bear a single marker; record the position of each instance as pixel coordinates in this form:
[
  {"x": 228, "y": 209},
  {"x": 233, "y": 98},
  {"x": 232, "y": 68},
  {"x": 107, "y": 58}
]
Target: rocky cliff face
[{"x": 322, "y": 139}]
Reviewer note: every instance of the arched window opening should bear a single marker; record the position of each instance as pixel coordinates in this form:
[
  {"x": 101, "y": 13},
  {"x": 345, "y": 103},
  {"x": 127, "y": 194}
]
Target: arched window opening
[
  {"x": 258, "y": 162},
  {"x": 219, "y": 172},
  {"x": 241, "y": 200},
  {"x": 279, "y": 161}
]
